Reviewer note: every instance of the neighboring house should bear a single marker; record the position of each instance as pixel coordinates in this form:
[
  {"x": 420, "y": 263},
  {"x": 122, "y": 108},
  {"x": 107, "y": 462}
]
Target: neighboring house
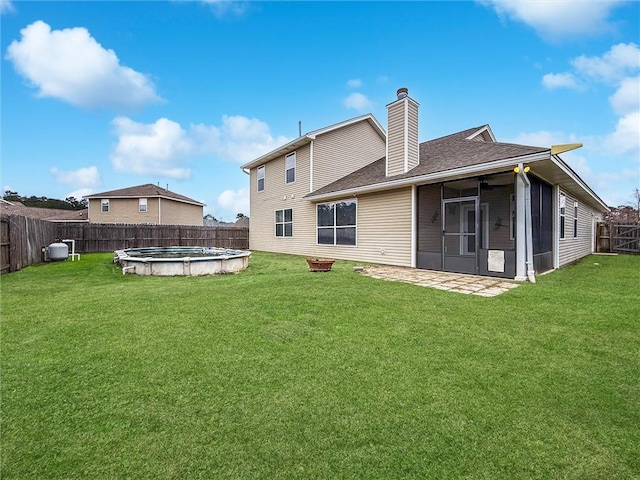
[
  {"x": 461, "y": 203},
  {"x": 50, "y": 214},
  {"x": 146, "y": 204}
]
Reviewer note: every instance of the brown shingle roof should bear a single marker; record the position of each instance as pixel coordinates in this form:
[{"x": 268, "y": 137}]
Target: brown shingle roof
[
  {"x": 146, "y": 190},
  {"x": 52, "y": 214},
  {"x": 438, "y": 155}
]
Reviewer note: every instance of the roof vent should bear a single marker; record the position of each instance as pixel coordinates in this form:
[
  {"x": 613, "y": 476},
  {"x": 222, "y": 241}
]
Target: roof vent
[{"x": 403, "y": 92}]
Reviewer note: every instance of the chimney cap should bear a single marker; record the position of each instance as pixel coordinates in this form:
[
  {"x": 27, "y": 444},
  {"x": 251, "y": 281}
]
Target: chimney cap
[{"x": 403, "y": 92}]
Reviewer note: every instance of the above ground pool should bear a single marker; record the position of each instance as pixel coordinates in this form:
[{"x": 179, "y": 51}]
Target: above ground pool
[{"x": 169, "y": 261}]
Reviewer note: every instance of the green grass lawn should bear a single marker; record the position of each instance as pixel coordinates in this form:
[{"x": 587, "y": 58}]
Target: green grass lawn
[{"x": 279, "y": 373}]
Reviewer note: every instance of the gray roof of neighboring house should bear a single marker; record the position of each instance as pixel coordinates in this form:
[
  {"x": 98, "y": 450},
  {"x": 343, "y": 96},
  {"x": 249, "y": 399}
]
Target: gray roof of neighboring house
[
  {"x": 438, "y": 155},
  {"x": 146, "y": 190}
]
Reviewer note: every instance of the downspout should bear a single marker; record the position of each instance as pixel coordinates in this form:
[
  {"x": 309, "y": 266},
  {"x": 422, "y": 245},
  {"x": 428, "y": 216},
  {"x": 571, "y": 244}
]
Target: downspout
[{"x": 527, "y": 224}]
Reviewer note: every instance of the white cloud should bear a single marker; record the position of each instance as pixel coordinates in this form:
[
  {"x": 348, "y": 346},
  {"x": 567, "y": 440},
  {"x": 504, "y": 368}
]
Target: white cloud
[
  {"x": 165, "y": 147},
  {"x": 238, "y": 139},
  {"x": 619, "y": 62},
  {"x": 6, "y": 6},
  {"x": 159, "y": 148},
  {"x": 234, "y": 201},
  {"x": 626, "y": 137},
  {"x": 618, "y": 68},
  {"x": 544, "y": 138},
  {"x": 354, "y": 83},
  {"x": 358, "y": 101},
  {"x": 382, "y": 79},
  {"x": 79, "y": 193},
  {"x": 85, "y": 177},
  {"x": 222, "y": 8},
  {"x": 627, "y": 98},
  {"x": 72, "y": 66},
  {"x": 553, "y": 19},
  {"x": 560, "y": 80}
]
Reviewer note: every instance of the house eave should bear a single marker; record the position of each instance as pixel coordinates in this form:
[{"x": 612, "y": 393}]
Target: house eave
[
  {"x": 446, "y": 175},
  {"x": 575, "y": 180}
]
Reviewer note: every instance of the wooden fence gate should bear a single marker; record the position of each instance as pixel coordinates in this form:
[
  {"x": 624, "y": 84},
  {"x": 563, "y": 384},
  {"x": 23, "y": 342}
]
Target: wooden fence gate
[{"x": 618, "y": 238}]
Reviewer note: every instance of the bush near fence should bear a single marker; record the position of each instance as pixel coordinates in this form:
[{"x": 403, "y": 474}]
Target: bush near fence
[{"x": 23, "y": 238}]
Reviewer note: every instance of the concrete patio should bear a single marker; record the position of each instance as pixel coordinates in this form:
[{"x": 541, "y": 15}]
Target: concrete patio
[{"x": 451, "y": 282}]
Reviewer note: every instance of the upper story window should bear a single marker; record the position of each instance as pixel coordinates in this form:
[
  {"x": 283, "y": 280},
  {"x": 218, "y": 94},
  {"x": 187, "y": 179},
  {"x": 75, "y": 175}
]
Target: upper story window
[
  {"x": 142, "y": 205},
  {"x": 290, "y": 167},
  {"x": 261, "y": 178},
  {"x": 336, "y": 223},
  {"x": 284, "y": 223},
  {"x": 563, "y": 204},
  {"x": 104, "y": 205}
]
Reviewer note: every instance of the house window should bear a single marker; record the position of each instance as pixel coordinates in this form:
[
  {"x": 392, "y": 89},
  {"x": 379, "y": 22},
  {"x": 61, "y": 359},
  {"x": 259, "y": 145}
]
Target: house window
[
  {"x": 104, "y": 205},
  {"x": 337, "y": 223},
  {"x": 575, "y": 219},
  {"x": 284, "y": 223},
  {"x": 261, "y": 178},
  {"x": 142, "y": 205},
  {"x": 563, "y": 203},
  {"x": 290, "y": 168}
]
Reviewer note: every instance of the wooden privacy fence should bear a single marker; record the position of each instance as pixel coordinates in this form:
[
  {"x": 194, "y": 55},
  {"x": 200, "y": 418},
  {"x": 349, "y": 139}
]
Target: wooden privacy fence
[
  {"x": 22, "y": 241},
  {"x": 23, "y": 238},
  {"x": 618, "y": 237},
  {"x": 102, "y": 237}
]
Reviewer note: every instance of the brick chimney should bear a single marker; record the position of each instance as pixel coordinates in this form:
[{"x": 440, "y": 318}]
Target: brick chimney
[{"x": 402, "y": 134}]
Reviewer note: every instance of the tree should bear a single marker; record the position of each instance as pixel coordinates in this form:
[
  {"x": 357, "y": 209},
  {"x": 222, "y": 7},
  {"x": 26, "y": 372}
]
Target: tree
[
  {"x": 76, "y": 204},
  {"x": 240, "y": 215},
  {"x": 70, "y": 203}
]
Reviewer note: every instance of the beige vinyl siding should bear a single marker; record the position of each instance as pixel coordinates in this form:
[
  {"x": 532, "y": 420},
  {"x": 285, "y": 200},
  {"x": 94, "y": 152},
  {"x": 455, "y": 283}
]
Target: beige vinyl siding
[
  {"x": 123, "y": 210},
  {"x": 413, "y": 149},
  {"x": 395, "y": 136},
  {"x": 278, "y": 195},
  {"x": 340, "y": 152},
  {"x": 383, "y": 228},
  {"x": 126, "y": 210},
  {"x": 179, "y": 213},
  {"x": 383, "y": 231},
  {"x": 570, "y": 248}
]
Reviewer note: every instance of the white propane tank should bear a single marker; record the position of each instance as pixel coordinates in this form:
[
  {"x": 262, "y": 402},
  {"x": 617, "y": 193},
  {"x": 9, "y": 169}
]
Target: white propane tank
[{"x": 58, "y": 251}]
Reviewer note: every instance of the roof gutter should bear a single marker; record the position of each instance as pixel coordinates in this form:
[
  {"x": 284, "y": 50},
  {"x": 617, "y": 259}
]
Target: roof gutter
[{"x": 432, "y": 177}]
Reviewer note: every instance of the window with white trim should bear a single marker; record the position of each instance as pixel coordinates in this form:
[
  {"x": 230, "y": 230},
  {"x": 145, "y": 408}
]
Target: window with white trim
[
  {"x": 142, "y": 204},
  {"x": 104, "y": 205},
  {"x": 290, "y": 168},
  {"x": 575, "y": 219},
  {"x": 336, "y": 223},
  {"x": 563, "y": 204},
  {"x": 260, "y": 176},
  {"x": 284, "y": 223}
]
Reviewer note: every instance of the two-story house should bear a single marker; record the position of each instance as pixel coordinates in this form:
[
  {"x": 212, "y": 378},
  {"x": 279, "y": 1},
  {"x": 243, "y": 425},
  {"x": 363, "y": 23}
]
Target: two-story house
[
  {"x": 461, "y": 203},
  {"x": 145, "y": 204}
]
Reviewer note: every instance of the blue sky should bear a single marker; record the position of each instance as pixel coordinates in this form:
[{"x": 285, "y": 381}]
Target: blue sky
[{"x": 98, "y": 96}]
